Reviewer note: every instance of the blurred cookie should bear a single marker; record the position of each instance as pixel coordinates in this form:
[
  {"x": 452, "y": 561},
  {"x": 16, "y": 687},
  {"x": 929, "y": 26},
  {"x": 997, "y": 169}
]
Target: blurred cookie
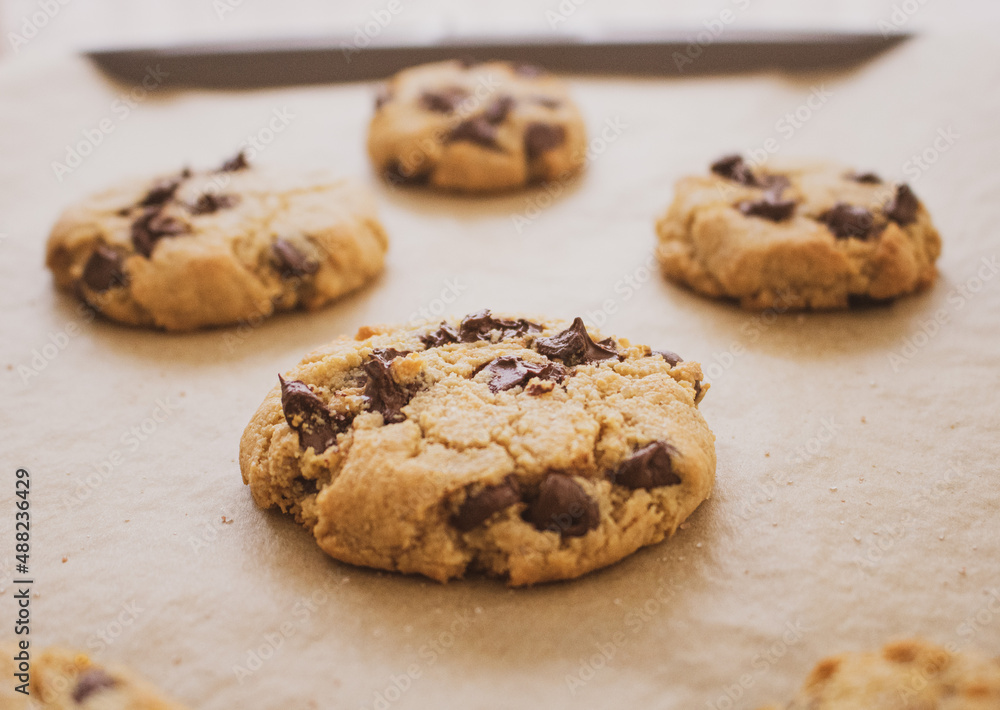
[
  {"x": 813, "y": 236},
  {"x": 64, "y": 680},
  {"x": 906, "y": 675},
  {"x": 217, "y": 247},
  {"x": 526, "y": 449},
  {"x": 475, "y": 128}
]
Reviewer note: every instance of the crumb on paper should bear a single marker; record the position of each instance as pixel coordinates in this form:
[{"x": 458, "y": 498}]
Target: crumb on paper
[
  {"x": 833, "y": 489},
  {"x": 226, "y": 521},
  {"x": 767, "y": 453},
  {"x": 863, "y": 420},
  {"x": 65, "y": 560},
  {"x": 683, "y": 526}
]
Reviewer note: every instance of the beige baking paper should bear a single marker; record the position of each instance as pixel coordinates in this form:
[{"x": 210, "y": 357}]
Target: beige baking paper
[{"x": 858, "y": 485}]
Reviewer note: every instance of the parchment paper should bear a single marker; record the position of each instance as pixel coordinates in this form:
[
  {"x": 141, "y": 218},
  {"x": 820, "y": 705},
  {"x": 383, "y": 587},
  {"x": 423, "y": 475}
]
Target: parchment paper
[{"x": 857, "y": 492}]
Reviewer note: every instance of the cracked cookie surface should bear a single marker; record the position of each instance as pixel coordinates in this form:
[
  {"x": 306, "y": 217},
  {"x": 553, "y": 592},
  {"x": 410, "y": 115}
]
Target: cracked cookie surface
[
  {"x": 520, "y": 448},
  {"x": 904, "y": 675},
  {"x": 233, "y": 245},
  {"x": 482, "y": 127},
  {"x": 66, "y": 680},
  {"x": 798, "y": 236}
]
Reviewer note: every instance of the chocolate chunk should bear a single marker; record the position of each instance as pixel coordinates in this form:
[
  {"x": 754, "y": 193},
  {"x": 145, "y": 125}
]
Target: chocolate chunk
[
  {"x": 443, "y": 335},
  {"x": 382, "y": 97},
  {"x": 528, "y": 71},
  {"x": 867, "y": 178},
  {"x": 476, "y": 130},
  {"x": 237, "y": 162},
  {"x": 732, "y": 167},
  {"x": 902, "y": 209},
  {"x": 210, "y": 202},
  {"x": 290, "y": 261},
  {"x": 774, "y": 184},
  {"x": 92, "y": 680},
  {"x": 306, "y": 413},
  {"x": 863, "y": 300},
  {"x": 648, "y": 467},
  {"x": 383, "y": 393},
  {"x": 396, "y": 173},
  {"x": 443, "y": 100},
  {"x": 846, "y": 221},
  {"x": 481, "y": 324},
  {"x": 697, "y": 389},
  {"x": 573, "y": 346},
  {"x": 478, "y": 507},
  {"x": 671, "y": 357},
  {"x": 542, "y": 137},
  {"x": 508, "y": 371},
  {"x": 103, "y": 269},
  {"x": 161, "y": 193},
  {"x": 564, "y": 507},
  {"x": 498, "y": 109},
  {"x": 768, "y": 207},
  {"x": 152, "y": 226}
]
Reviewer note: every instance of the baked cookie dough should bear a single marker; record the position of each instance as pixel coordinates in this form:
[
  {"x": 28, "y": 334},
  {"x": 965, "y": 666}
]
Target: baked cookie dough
[
  {"x": 65, "y": 680},
  {"x": 475, "y": 127},
  {"x": 805, "y": 236},
  {"x": 218, "y": 247},
  {"x": 520, "y": 448},
  {"x": 905, "y": 675}
]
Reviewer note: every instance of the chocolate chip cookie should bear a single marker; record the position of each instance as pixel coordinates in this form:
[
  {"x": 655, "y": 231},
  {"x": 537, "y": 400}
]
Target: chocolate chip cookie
[
  {"x": 905, "y": 675},
  {"x": 521, "y": 448},
  {"x": 64, "y": 680},
  {"x": 475, "y": 127},
  {"x": 808, "y": 236},
  {"x": 230, "y": 245}
]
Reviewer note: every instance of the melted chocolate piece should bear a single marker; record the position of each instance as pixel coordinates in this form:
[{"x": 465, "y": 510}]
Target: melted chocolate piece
[
  {"x": 210, "y": 202},
  {"x": 866, "y": 178},
  {"x": 161, "y": 193},
  {"x": 574, "y": 347},
  {"x": 564, "y": 507},
  {"x": 290, "y": 261},
  {"x": 476, "y": 130},
  {"x": 444, "y": 100},
  {"x": 383, "y": 393},
  {"x": 648, "y": 467},
  {"x": 103, "y": 269},
  {"x": 152, "y": 226},
  {"x": 396, "y": 174},
  {"x": 478, "y": 507},
  {"x": 442, "y": 336},
  {"x": 92, "y": 680},
  {"x": 770, "y": 207},
  {"x": 498, "y": 109},
  {"x": 671, "y": 357},
  {"x": 542, "y": 137},
  {"x": 774, "y": 184},
  {"x": 382, "y": 97},
  {"x": 863, "y": 300},
  {"x": 237, "y": 162},
  {"x": 508, "y": 371},
  {"x": 902, "y": 209},
  {"x": 306, "y": 413},
  {"x": 479, "y": 326},
  {"x": 846, "y": 221},
  {"x": 732, "y": 167}
]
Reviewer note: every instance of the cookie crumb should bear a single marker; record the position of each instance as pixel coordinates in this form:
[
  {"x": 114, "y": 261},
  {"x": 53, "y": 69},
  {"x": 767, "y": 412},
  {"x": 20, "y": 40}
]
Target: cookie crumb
[{"x": 65, "y": 560}]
